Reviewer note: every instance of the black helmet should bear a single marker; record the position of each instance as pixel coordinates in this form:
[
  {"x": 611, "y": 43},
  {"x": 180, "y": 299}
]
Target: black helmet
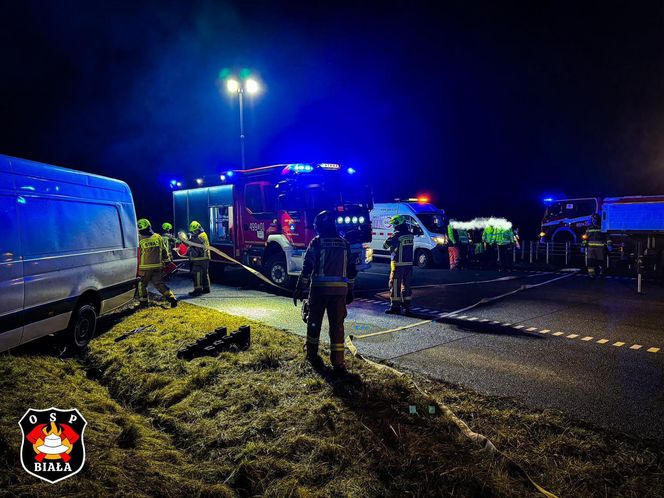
[{"x": 324, "y": 223}]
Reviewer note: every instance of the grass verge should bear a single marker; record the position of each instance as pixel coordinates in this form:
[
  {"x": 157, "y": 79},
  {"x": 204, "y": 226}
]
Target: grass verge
[{"x": 263, "y": 423}]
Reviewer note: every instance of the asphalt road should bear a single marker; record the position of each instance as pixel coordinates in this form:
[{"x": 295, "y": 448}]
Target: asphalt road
[{"x": 593, "y": 349}]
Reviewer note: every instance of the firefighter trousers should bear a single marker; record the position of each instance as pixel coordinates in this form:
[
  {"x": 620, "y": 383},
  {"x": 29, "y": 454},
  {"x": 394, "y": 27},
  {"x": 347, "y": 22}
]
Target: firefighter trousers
[
  {"x": 336, "y": 314},
  {"x": 199, "y": 271},
  {"x": 505, "y": 257},
  {"x": 156, "y": 277},
  {"x": 400, "y": 292}
]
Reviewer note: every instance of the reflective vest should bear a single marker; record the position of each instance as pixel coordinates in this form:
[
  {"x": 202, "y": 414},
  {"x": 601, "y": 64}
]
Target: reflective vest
[
  {"x": 595, "y": 238},
  {"x": 169, "y": 244},
  {"x": 457, "y": 236},
  {"x": 328, "y": 266},
  {"x": 151, "y": 251},
  {"x": 199, "y": 253},
  {"x": 401, "y": 247},
  {"x": 489, "y": 235},
  {"x": 504, "y": 236}
]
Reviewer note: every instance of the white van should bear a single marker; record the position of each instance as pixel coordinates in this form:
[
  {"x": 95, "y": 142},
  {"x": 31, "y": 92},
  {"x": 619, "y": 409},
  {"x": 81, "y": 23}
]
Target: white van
[
  {"x": 68, "y": 251},
  {"x": 428, "y": 223}
]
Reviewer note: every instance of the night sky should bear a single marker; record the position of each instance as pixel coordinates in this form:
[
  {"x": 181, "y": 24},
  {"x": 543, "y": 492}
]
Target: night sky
[{"x": 488, "y": 106}]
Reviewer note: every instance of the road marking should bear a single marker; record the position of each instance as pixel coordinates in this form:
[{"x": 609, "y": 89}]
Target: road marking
[
  {"x": 558, "y": 333},
  {"x": 587, "y": 338},
  {"x": 507, "y": 324},
  {"x": 494, "y": 322},
  {"x": 635, "y": 346},
  {"x": 653, "y": 350},
  {"x": 573, "y": 336},
  {"x": 484, "y": 320},
  {"x": 602, "y": 341},
  {"x": 618, "y": 344},
  {"x": 531, "y": 329},
  {"x": 472, "y": 318},
  {"x": 461, "y": 317},
  {"x": 519, "y": 326},
  {"x": 544, "y": 331}
]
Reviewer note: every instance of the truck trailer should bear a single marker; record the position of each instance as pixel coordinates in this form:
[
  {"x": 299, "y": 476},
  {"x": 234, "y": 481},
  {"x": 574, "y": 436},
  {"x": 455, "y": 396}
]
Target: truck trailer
[{"x": 263, "y": 217}]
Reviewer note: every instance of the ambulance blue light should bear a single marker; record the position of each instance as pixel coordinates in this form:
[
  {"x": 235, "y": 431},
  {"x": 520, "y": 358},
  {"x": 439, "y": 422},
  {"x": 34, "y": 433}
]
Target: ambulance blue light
[
  {"x": 547, "y": 200},
  {"x": 229, "y": 174}
]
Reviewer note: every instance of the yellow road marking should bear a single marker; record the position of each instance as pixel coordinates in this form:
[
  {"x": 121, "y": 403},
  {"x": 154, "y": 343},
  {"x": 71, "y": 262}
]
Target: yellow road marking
[
  {"x": 602, "y": 341},
  {"x": 544, "y": 331},
  {"x": 573, "y": 336},
  {"x": 531, "y": 329},
  {"x": 587, "y": 338},
  {"x": 653, "y": 350},
  {"x": 618, "y": 344},
  {"x": 558, "y": 333},
  {"x": 635, "y": 346}
]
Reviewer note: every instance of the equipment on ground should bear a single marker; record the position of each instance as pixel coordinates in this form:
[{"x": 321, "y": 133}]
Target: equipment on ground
[{"x": 217, "y": 342}]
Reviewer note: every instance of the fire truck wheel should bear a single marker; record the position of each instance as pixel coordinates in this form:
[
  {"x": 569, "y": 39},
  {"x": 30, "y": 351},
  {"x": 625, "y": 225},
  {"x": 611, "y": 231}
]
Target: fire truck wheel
[
  {"x": 82, "y": 325},
  {"x": 276, "y": 270},
  {"x": 423, "y": 258}
]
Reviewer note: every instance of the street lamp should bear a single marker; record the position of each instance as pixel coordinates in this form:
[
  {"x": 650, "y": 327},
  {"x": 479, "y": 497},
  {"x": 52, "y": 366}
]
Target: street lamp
[{"x": 235, "y": 86}]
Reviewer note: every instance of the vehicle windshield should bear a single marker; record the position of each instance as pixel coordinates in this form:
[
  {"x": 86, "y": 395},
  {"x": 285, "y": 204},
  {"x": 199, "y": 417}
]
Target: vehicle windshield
[
  {"x": 434, "y": 222},
  {"x": 571, "y": 208}
]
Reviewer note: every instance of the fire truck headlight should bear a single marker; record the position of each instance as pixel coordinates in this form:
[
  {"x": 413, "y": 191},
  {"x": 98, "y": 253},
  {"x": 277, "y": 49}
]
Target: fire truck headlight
[
  {"x": 340, "y": 220},
  {"x": 361, "y": 219},
  {"x": 347, "y": 219},
  {"x": 354, "y": 219},
  {"x": 542, "y": 234}
]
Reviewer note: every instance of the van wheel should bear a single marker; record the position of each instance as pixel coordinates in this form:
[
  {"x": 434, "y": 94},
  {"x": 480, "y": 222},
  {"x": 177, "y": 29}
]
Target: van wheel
[
  {"x": 423, "y": 258},
  {"x": 276, "y": 270},
  {"x": 82, "y": 326}
]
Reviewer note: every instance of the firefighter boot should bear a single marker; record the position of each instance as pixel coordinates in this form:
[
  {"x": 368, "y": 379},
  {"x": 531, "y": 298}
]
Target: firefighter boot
[
  {"x": 173, "y": 301},
  {"x": 196, "y": 293},
  {"x": 393, "y": 310}
]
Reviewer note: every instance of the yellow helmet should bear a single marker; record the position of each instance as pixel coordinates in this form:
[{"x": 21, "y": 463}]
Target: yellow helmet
[
  {"x": 143, "y": 223},
  {"x": 397, "y": 220},
  {"x": 194, "y": 225},
  {"x": 166, "y": 226}
]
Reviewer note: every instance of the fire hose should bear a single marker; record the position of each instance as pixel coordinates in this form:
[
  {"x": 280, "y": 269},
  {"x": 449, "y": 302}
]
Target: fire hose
[{"x": 183, "y": 237}]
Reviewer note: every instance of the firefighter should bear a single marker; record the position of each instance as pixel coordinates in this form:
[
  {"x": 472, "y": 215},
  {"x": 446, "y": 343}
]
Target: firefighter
[
  {"x": 199, "y": 258},
  {"x": 489, "y": 241},
  {"x": 596, "y": 245},
  {"x": 169, "y": 239},
  {"x": 453, "y": 249},
  {"x": 329, "y": 273},
  {"x": 504, "y": 237},
  {"x": 400, "y": 245},
  {"x": 152, "y": 254},
  {"x": 458, "y": 246}
]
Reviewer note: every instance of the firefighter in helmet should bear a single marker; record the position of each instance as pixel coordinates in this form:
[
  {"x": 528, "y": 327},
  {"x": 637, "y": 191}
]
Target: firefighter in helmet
[
  {"x": 329, "y": 273},
  {"x": 400, "y": 245},
  {"x": 199, "y": 258},
  {"x": 152, "y": 254},
  {"x": 596, "y": 245},
  {"x": 169, "y": 239}
]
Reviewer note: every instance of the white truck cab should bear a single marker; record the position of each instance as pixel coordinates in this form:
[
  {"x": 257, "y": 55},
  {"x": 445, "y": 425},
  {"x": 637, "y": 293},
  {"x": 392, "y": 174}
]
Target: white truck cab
[{"x": 428, "y": 223}]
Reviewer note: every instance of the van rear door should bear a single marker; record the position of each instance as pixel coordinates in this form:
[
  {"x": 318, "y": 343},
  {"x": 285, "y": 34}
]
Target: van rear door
[{"x": 11, "y": 274}]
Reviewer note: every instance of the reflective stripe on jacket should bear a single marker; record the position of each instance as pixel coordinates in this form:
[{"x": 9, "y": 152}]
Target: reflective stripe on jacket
[
  {"x": 152, "y": 251},
  {"x": 504, "y": 236},
  {"x": 401, "y": 247},
  {"x": 489, "y": 235},
  {"x": 595, "y": 238},
  {"x": 199, "y": 253},
  {"x": 328, "y": 266}
]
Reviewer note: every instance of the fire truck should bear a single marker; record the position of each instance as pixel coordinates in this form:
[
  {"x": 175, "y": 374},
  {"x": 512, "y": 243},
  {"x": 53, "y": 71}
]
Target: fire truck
[{"x": 263, "y": 217}]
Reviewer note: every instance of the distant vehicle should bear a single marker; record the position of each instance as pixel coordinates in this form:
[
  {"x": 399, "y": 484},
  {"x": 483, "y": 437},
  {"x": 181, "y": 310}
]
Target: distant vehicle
[
  {"x": 263, "y": 217},
  {"x": 428, "y": 223},
  {"x": 68, "y": 251},
  {"x": 566, "y": 220}
]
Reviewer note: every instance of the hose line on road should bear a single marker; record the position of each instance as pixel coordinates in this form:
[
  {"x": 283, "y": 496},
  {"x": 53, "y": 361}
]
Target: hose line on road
[
  {"x": 484, "y": 300},
  {"x": 479, "y": 439},
  {"x": 253, "y": 271}
]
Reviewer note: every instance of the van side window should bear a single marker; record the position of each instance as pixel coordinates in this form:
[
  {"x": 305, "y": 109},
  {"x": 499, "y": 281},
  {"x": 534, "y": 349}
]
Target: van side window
[
  {"x": 55, "y": 227},
  {"x": 9, "y": 242}
]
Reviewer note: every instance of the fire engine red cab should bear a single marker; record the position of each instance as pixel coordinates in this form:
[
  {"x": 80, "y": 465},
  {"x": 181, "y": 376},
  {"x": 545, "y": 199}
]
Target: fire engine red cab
[{"x": 263, "y": 217}]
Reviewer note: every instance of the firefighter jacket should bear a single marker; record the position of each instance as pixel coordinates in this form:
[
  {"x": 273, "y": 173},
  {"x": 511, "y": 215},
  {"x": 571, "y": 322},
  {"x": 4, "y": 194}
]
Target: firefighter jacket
[
  {"x": 595, "y": 238},
  {"x": 504, "y": 236},
  {"x": 169, "y": 243},
  {"x": 401, "y": 248},
  {"x": 199, "y": 253},
  {"x": 489, "y": 235},
  {"x": 457, "y": 236},
  {"x": 328, "y": 267},
  {"x": 152, "y": 251}
]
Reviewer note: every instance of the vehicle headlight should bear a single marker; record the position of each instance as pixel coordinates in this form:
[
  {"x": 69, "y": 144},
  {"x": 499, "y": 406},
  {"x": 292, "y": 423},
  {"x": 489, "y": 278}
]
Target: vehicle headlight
[
  {"x": 440, "y": 240},
  {"x": 347, "y": 219},
  {"x": 361, "y": 219},
  {"x": 542, "y": 234},
  {"x": 354, "y": 220}
]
